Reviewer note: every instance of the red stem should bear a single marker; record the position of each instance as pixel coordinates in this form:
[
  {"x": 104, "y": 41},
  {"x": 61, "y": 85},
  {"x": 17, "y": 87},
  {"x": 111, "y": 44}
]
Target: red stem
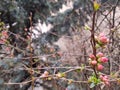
[{"x": 93, "y": 42}]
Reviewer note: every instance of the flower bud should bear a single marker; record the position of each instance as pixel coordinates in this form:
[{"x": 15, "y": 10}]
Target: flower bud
[
  {"x": 104, "y": 79},
  {"x": 100, "y": 54},
  {"x": 46, "y": 73},
  {"x": 103, "y": 40},
  {"x": 92, "y": 57},
  {"x": 101, "y": 77},
  {"x": 94, "y": 62},
  {"x": 100, "y": 67},
  {"x": 101, "y": 35},
  {"x": 107, "y": 83},
  {"x": 43, "y": 75},
  {"x": 103, "y": 59}
]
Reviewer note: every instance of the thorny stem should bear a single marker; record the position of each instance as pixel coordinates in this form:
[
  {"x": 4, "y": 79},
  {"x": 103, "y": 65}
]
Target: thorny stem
[{"x": 93, "y": 43}]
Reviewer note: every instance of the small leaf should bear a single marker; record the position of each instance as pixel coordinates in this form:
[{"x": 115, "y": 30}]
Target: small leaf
[
  {"x": 82, "y": 67},
  {"x": 97, "y": 46},
  {"x": 63, "y": 74},
  {"x": 78, "y": 70},
  {"x": 96, "y": 6},
  {"x": 92, "y": 85},
  {"x": 60, "y": 75},
  {"x": 87, "y": 27}
]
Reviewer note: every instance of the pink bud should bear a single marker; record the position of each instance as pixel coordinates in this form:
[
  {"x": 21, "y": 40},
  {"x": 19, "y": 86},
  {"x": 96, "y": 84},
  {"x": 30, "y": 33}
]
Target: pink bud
[
  {"x": 100, "y": 67},
  {"x": 5, "y": 34},
  {"x": 46, "y": 72},
  {"x": 92, "y": 56},
  {"x": 104, "y": 79},
  {"x": 107, "y": 83},
  {"x": 100, "y": 54},
  {"x": 101, "y": 77},
  {"x": 104, "y": 59},
  {"x": 2, "y": 42},
  {"x": 103, "y": 39},
  {"x": 102, "y": 35},
  {"x": 7, "y": 49},
  {"x": 43, "y": 75},
  {"x": 94, "y": 62}
]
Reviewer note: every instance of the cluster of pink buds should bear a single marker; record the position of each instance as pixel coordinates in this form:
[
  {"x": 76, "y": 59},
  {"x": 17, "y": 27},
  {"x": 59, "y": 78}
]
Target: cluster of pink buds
[
  {"x": 104, "y": 79},
  {"x": 98, "y": 60},
  {"x": 3, "y": 37},
  {"x": 101, "y": 39}
]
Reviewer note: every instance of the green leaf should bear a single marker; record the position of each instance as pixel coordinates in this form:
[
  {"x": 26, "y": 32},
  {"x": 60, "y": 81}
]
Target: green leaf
[
  {"x": 92, "y": 85},
  {"x": 78, "y": 70},
  {"x": 97, "y": 46},
  {"x": 94, "y": 79},
  {"x": 82, "y": 67},
  {"x": 87, "y": 27},
  {"x": 96, "y": 6}
]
